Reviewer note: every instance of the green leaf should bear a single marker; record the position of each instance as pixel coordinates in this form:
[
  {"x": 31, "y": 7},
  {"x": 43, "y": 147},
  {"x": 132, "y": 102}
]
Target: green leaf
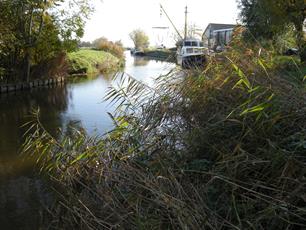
[
  {"x": 260, "y": 61},
  {"x": 242, "y": 76},
  {"x": 80, "y": 157},
  {"x": 254, "y": 109}
]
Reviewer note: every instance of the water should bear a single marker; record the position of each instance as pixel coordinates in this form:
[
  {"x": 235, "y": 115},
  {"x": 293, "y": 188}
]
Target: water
[{"x": 80, "y": 103}]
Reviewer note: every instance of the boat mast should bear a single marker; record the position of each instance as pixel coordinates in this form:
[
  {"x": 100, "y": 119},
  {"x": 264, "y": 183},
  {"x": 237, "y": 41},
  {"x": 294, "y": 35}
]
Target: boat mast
[
  {"x": 186, "y": 12},
  {"x": 177, "y": 31}
]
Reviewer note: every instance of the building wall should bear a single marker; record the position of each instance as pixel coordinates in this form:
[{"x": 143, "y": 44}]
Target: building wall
[
  {"x": 211, "y": 39},
  {"x": 207, "y": 37}
]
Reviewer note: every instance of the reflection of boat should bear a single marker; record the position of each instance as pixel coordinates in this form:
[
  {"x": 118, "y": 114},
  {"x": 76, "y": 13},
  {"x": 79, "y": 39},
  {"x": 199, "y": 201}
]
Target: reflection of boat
[
  {"x": 141, "y": 61},
  {"x": 191, "y": 53}
]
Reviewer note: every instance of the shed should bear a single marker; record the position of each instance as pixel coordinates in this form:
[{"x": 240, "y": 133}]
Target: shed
[{"x": 217, "y": 35}]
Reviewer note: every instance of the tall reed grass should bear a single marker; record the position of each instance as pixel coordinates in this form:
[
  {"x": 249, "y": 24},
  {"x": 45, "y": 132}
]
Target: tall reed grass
[{"x": 220, "y": 149}]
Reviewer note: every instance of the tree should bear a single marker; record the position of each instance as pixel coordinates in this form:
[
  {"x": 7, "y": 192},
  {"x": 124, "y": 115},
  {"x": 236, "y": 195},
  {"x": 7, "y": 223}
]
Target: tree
[
  {"x": 268, "y": 18},
  {"x": 85, "y": 44},
  {"x": 46, "y": 26},
  {"x": 140, "y": 39}
]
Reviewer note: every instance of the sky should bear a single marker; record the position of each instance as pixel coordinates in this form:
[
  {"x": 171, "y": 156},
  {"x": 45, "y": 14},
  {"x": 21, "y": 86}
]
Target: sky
[{"x": 115, "y": 19}]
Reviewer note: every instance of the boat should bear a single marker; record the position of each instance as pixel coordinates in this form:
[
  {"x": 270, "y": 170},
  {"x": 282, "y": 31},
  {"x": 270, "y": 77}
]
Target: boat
[
  {"x": 139, "y": 53},
  {"x": 191, "y": 53}
]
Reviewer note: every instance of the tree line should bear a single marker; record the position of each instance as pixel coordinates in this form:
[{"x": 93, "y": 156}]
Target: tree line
[
  {"x": 35, "y": 31},
  {"x": 32, "y": 32},
  {"x": 268, "y": 19}
]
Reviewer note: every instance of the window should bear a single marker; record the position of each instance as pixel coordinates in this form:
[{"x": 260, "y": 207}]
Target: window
[{"x": 189, "y": 50}]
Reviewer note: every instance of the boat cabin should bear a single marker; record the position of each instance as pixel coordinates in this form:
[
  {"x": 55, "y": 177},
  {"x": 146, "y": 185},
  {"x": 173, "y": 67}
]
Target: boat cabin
[
  {"x": 193, "y": 43},
  {"x": 191, "y": 47},
  {"x": 190, "y": 51}
]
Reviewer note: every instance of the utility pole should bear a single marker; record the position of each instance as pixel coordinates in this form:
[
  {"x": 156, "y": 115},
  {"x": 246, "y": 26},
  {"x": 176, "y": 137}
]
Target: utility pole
[{"x": 186, "y": 12}]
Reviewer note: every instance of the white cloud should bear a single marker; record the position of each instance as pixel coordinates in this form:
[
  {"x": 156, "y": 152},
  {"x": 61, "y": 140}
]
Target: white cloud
[{"x": 115, "y": 19}]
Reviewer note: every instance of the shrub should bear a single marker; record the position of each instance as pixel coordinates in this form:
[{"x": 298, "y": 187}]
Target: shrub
[
  {"x": 55, "y": 66},
  {"x": 92, "y": 62},
  {"x": 115, "y": 48}
]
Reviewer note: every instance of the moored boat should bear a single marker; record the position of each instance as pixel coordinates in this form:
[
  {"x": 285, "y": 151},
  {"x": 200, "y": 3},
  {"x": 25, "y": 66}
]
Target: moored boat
[
  {"x": 191, "y": 53},
  {"x": 138, "y": 53}
]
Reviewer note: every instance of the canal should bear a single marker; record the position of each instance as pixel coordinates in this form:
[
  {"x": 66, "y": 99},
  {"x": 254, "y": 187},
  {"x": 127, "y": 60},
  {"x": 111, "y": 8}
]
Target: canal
[{"x": 79, "y": 103}]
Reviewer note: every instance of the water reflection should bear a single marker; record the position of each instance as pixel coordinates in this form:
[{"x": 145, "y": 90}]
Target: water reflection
[
  {"x": 140, "y": 61},
  {"x": 16, "y": 110},
  {"x": 78, "y": 103},
  {"x": 21, "y": 196},
  {"x": 148, "y": 72}
]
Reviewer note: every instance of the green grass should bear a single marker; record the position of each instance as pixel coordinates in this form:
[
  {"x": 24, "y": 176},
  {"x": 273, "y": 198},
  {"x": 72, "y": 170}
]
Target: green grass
[
  {"x": 290, "y": 67},
  {"x": 87, "y": 61},
  {"x": 288, "y": 62}
]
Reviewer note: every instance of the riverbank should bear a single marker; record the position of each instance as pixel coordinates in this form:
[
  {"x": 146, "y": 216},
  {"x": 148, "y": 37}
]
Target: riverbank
[
  {"x": 83, "y": 62},
  {"x": 89, "y": 62},
  {"x": 7, "y": 88},
  {"x": 162, "y": 54}
]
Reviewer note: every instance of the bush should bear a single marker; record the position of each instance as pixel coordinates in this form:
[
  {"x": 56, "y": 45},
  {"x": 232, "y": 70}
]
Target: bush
[
  {"x": 49, "y": 68},
  {"x": 92, "y": 62},
  {"x": 115, "y": 48}
]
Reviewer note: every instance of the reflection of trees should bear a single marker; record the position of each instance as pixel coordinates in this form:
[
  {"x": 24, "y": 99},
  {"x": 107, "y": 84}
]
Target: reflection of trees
[
  {"x": 108, "y": 77},
  {"x": 15, "y": 111},
  {"x": 141, "y": 61},
  {"x": 71, "y": 127},
  {"x": 21, "y": 197}
]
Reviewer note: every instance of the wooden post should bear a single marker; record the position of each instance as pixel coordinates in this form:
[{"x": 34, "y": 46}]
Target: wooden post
[
  {"x": 36, "y": 83},
  {"x": 41, "y": 82},
  {"x": 10, "y": 88},
  {"x": 3, "y": 89},
  {"x": 25, "y": 85},
  {"x": 18, "y": 86}
]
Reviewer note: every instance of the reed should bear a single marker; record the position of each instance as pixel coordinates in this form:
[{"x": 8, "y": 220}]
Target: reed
[{"x": 220, "y": 149}]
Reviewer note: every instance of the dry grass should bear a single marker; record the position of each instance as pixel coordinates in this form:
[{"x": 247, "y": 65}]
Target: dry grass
[{"x": 115, "y": 48}]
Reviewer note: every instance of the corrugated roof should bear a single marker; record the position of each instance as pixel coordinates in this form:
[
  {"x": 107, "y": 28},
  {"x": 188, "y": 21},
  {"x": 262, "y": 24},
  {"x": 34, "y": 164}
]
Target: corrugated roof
[{"x": 218, "y": 26}]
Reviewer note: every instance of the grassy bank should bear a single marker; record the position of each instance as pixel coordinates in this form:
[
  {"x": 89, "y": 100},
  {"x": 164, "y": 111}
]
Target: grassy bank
[
  {"x": 164, "y": 55},
  {"x": 86, "y": 61},
  {"x": 219, "y": 149}
]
